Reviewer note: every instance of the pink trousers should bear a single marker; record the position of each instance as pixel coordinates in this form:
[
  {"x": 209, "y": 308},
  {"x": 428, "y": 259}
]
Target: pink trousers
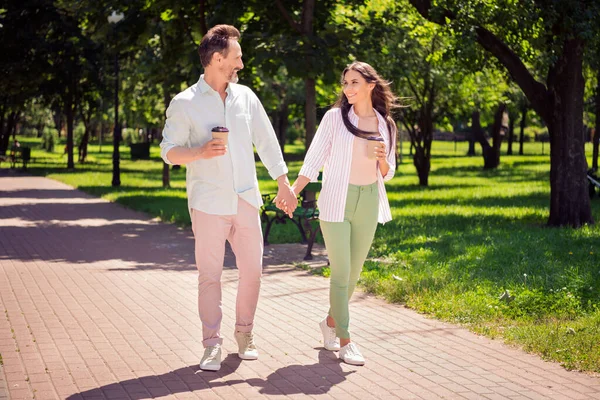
[{"x": 244, "y": 233}]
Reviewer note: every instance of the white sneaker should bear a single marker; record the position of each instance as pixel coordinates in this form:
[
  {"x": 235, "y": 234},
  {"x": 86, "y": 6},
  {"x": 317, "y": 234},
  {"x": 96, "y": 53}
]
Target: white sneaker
[
  {"x": 211, "y": 360},
  {"x": 330, "y": 340},
  {"x": 350, "y": 355},
  {"x": 246, "y": 347}
]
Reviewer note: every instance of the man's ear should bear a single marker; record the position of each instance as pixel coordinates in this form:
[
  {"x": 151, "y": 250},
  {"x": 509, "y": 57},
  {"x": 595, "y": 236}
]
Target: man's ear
[{"x": 216, "y": 58}]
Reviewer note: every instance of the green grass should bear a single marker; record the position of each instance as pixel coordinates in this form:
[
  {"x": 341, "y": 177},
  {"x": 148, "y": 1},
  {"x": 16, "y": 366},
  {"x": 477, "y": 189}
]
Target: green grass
[{"x": 451, "y": 251}]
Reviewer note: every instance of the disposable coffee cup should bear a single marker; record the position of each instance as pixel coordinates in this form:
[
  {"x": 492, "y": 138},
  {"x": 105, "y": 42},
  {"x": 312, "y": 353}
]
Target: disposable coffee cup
[
  {"x": 220, "y": 132},
  {"x": 372, "y": 144}
]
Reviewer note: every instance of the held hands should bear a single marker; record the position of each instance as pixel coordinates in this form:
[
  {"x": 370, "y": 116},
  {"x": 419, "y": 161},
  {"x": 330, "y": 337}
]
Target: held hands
[{"x": 286, "y": 199}]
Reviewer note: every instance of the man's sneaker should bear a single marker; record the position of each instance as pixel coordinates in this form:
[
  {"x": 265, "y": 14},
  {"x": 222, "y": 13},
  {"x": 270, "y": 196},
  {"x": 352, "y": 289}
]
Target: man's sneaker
[
  {"x": 330, "y": 340},
  {"x": 350, "y": 355},
  {"x": 211, "y": 360},
  {"x": 246, "y": 347}
]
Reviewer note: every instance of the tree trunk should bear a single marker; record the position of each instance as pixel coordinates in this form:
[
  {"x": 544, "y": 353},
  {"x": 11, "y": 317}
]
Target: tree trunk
[
  {"x": 70, "y": 119},
  {"x": 491, "y": 153},
  {"x": 57, "y": 117},
  {"x": 3, "y": 145},
  {"x": 422, "y": 139},
  {"x": 202, "y": 12},
  {"x": 478, "y": 134},
  {"x": 166, "y": 174},
  {"x": 471, "y": 151},
  {"x": 7, "y": 129},
  {"x": 15, "y": 122},
  {"x": 523, "y": 124},
  {"x": 498, "y": 132},
  {"x": 310, "y": 110},
  {"x": 596, "y": 137},
  {"x": 569, "y": 200},
  {"x": 511, "y": 134},
  {"x": 84, "y": 145},
  {"x": 422, "y": 164},
  {"x": 282, "y": 125}
]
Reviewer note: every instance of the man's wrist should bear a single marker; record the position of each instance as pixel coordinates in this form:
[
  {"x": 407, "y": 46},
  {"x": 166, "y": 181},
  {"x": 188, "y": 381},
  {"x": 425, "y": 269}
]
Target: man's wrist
[
  {"x": 198, "y": 152},
  {"x": 283, "y": 180}
]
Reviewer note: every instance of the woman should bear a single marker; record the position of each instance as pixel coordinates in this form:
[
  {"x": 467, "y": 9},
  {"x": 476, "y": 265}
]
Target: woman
[{"x": 353, "y": 197}]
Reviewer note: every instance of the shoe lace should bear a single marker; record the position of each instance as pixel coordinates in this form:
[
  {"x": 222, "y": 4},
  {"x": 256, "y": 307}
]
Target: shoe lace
[
  {"x": 332, "y": 331},
  {"x": 352, "y": 350},
  {"x": 214, "y": 351},
  {"x": 249, "y": 337}
]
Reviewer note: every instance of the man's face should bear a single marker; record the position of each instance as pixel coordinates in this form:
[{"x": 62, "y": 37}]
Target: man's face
[{"x": 230, "y": 65}]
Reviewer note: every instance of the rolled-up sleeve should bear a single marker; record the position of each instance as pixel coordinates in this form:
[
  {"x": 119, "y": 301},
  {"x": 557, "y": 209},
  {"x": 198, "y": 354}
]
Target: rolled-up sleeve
[
  {"x": 319, "y": 150},
  {"x": 265, "y": 141},
  {"x": 176, "y": 132},
  {"x": 391, "y": 156}
]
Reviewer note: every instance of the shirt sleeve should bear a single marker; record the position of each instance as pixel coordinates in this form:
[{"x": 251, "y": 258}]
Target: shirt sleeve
[
  {"x": 391, "y": 157},
  {"x": 176, "y": 132},
  {"x": 265, "y": 141},
  {"x": 319, "y": 149}
]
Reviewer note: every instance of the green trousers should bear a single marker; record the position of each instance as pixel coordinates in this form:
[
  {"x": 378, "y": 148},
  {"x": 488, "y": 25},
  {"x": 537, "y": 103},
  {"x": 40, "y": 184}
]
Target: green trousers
[{"x": 348, "y": 245}]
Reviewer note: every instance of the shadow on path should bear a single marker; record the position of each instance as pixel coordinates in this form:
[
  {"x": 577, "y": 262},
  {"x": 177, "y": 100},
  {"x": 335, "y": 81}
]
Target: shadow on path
[{"x": 311, "y": 379}]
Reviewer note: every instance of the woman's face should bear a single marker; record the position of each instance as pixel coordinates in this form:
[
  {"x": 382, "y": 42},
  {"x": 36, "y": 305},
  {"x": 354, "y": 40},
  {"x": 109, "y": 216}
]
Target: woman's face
[{"x": 356, "y": 88}]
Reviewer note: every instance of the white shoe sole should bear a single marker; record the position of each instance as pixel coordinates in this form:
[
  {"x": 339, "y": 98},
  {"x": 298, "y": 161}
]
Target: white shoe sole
[
  {"x": 247, "y": 357},
  {"x": 210, "y": 367},
  {"x": 336, "y": 348},
  {"x": 352, "y": 362}
]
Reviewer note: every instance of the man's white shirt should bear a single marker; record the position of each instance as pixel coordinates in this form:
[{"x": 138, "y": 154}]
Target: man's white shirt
[{"x": 214, "y": 185}]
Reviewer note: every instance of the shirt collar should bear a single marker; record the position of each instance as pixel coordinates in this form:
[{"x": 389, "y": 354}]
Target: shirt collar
[
  {"x": 352, "y": 116},
  {"x": 205, "y": 87}
]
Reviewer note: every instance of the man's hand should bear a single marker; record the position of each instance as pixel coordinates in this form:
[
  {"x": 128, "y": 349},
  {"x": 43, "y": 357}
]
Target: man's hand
[
  {"x": 213, "y": 148},
  {"x": 286, "y": 199}
]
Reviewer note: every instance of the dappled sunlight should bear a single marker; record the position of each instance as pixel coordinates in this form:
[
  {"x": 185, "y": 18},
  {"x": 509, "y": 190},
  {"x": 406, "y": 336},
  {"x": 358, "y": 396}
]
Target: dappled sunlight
[{"x": 94, "y": 222}]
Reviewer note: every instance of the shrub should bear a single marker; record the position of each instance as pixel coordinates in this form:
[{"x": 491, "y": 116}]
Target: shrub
[{"x": 49, "y": 138}]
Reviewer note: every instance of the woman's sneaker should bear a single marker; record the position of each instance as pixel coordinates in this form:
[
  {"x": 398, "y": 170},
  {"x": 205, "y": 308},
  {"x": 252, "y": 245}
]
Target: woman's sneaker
[
  {"x": 350, "y": 355},
  {"x": 330, "y": 340},
  {"x": 211, "y": 360}
]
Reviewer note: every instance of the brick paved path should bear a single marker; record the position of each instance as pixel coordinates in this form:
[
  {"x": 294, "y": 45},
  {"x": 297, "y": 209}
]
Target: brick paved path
[{"x": 100, "y": 302}]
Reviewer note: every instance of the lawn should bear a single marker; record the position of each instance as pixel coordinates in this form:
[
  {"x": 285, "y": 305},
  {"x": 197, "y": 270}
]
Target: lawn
[{"x": 472, "y": 248}]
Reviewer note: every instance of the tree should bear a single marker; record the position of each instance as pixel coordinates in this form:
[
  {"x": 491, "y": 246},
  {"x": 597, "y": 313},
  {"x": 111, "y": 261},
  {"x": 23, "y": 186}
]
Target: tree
[
  {"x": 282, "y": 96},
  {"x": 596, "y": 137},
  {"x": 491, "y": 153},
  {"x": 556, "y": 33},
  {"x": 301, "y": 36},
  {"x": 592, "y": 61},
  {"x": 24, "y": 65}
]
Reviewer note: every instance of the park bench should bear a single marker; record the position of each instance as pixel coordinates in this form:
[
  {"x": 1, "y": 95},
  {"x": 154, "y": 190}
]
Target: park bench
[
  {"x": 18, "y": 155},
  {"x": 303, "y": 216},
  {"x": 594, "y": 181}
]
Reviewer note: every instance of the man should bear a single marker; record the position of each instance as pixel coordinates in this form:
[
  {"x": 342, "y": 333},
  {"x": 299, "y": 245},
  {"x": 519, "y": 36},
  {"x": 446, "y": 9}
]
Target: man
[{"x": 222, "y": 187}]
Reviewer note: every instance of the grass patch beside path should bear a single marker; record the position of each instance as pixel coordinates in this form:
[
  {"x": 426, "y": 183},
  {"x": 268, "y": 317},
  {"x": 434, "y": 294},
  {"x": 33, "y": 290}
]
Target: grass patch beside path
[{"x": 451, "y": 251}]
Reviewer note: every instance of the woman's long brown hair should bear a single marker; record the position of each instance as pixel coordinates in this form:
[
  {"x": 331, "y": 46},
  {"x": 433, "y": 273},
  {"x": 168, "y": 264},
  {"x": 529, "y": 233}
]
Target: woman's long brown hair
[{"x": 382, "y": 98}]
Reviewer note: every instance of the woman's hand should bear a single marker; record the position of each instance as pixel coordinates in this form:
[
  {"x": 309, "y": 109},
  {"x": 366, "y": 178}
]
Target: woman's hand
[
  {"x": 381, "y": 152},
  {"x": 381, "y": 155}
]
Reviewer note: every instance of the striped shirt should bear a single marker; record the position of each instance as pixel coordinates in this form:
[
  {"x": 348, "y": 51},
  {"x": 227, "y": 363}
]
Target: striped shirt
[{"x": 331, "y": 149}]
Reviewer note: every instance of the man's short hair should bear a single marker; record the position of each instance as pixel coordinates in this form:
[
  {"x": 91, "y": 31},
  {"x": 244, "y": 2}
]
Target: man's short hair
[{"x": 216, "y": 40}]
